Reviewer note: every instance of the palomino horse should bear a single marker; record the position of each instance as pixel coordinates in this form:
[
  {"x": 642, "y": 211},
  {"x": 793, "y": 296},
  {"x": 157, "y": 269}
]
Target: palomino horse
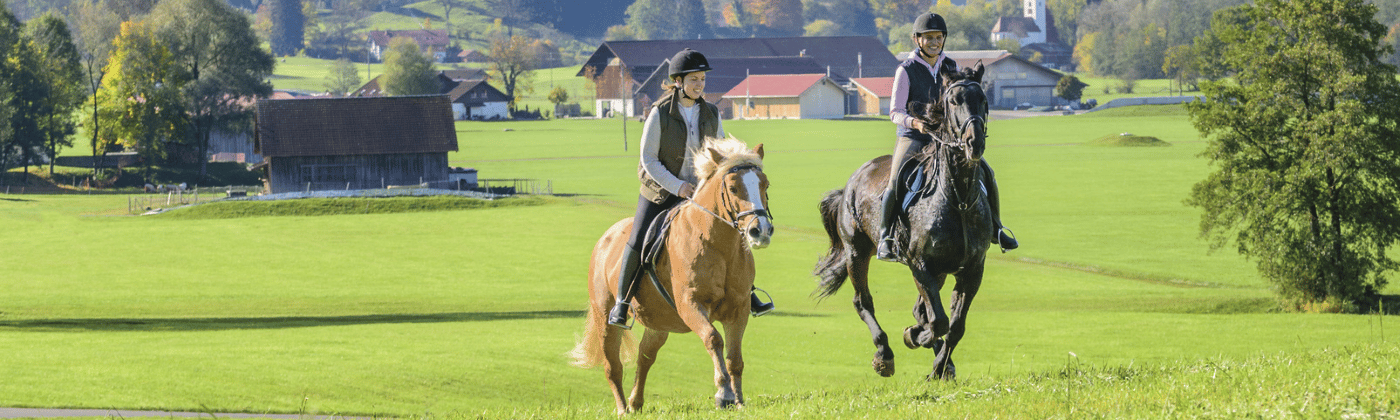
[
  {"x": 706, "y": 264},
  {"x": 947, "y": 232}
]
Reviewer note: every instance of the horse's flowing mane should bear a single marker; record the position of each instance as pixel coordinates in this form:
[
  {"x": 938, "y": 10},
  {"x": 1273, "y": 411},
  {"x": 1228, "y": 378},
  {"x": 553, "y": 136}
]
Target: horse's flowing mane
[{"x": 735, "y": 153}]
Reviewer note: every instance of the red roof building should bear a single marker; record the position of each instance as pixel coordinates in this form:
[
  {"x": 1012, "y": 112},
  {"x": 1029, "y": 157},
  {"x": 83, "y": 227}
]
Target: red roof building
[
  {"x": 872, "y": 95},
  {"x": 782, "y": 96}
]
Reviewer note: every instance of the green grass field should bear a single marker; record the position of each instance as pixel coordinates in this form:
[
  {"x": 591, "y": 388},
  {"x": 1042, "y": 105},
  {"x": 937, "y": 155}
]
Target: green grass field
[{"x": 1113, "y": 307}]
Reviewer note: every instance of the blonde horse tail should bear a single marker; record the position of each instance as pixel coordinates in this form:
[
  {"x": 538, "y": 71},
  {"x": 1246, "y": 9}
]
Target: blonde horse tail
[
  {"x": 831, "y": 268},
  {"x": 588, "y": 352},
  {"x": 591, "y": 351}
]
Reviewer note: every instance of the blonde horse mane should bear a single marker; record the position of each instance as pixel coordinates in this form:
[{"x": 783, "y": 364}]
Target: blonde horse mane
[{"x": 734, "y": 151}]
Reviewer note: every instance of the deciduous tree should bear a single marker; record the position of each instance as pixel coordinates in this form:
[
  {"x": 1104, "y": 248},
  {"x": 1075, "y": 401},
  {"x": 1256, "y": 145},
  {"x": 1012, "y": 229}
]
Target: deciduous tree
[
  {"x": 407, "y": 71},
  {"x": 97, "y": 26},
  {"x": 220, "y": 62},
  {"x": 23, "y": 96},
  {"x": 513, "y": 65},
  {"x": 60, "y": 79},
  {"x": 342, "y": 78},
  {"x": 1306, "y": 178},
  {"x": 140, "y": 101}
]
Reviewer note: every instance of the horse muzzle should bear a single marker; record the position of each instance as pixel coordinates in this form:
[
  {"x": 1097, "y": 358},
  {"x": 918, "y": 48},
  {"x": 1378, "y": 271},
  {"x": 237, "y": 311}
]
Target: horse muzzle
[{"x": 759, "y": 230}]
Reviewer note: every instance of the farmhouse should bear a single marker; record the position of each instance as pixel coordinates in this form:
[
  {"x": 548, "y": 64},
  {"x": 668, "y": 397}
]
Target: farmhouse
[
  {"x": 619, "y": 68},
  {"x": 871, "y": 95},
  {"x": 354, "y": 143},
  {"x": 472, "y": 98},
  {"x": 802, "y": 96},
  {"x": 432, "y": 42},
  {"x": 1011, "y": 80}
]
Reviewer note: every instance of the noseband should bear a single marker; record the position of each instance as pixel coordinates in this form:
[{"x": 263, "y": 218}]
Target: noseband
[{"x": 732, "y": 209}]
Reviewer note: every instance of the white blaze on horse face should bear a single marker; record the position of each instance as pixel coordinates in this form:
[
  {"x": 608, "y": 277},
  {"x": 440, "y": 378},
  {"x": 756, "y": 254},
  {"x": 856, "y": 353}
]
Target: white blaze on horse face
[{"x": 761, "y": 230}]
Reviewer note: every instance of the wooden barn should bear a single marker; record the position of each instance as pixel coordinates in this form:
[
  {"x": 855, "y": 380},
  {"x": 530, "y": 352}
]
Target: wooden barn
[
  {"x": 782, "y": 96},
  {"x": 871, "y": 95},
  {"x": 1011, "y": 80},
  {"x": 354, "y": 143}
]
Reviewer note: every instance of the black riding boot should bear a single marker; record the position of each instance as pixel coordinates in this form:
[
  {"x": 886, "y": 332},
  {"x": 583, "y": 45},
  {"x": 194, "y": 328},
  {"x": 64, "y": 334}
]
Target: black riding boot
[
  {"x": 757, "y": 306},
  {"x": 889, "y": 209},
  {"x": 631, "y": 261},
  {"x": 1001, "y": 235}
]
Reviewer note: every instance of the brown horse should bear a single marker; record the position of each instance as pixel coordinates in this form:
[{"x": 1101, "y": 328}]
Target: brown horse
[
  {"x": 946, "y": 232},
  {"x": 706, "y": 264}
]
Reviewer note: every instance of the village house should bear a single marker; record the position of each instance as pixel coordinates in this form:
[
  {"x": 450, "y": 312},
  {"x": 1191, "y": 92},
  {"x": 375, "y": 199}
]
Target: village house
[
  {"x": 1035, "y": 31},
  {"x": 1011, "y": 80},
  {"x": 472, "y": 97},
  {"x": 782, "y": 96},
  {"x": 353, "y": 143},
  {"x": 621, "y": 69},
  {"x": 727, "y": 73},
  {"x": 432, "y": 42},
  {"x": 871, "y": 95}
]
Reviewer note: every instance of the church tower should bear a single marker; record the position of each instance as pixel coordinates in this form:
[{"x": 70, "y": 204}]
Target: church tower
[{"x": 1035, "y": 10}]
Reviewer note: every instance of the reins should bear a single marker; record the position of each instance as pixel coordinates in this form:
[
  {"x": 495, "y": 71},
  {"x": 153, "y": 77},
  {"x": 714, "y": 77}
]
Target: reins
[{"x": 735, "y": 215}]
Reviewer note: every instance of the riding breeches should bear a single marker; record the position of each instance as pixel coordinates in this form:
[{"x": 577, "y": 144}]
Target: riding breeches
[
  {"x": 904, "y": 149},
  {"x": 646, "y": 213}
]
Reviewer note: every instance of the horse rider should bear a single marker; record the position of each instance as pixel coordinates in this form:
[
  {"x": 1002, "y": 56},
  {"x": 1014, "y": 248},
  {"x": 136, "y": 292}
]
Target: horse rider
[
  {"x": 920, "y": 79},
  {"x": 677, "y": 124}
]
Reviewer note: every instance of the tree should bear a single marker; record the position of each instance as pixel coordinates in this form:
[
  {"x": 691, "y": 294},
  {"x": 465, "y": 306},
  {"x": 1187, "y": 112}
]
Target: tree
[
  {"x": 311, "y": 24},
  {"x": 343, "y": 27},
  {"x": 668, "y": 19},
  {"x": 853, "y": 17},
  {"x": 221, "y": 63},
  {"x": 140, "y": 97},
  {"x": 97, "y": 25},
  {"x": 286, "y": 36},
  {"x": 1306, "y": 177},
  {"x": 342, "y": 78},
  {"x": 23, "y": 99},
  {"x": 821, "y": 27},
  {"x": 558, "y": 95},
  {"x": 407, "y": 71},
  {"x": 512, "y": 64},
  {"x": 60, "y": 77},
  {"x": 447, "y": 6},
  {"x": 777, "y": 17},
  {"x": 1070, "y": 88},
  {"x": 513, "y": 13}
]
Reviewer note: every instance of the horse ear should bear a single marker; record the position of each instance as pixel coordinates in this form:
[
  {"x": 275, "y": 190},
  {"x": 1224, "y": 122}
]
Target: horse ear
[
  {"x": 759, "y": 150},
  {"x": 715, "y": 156},
  {"x": 977, "y": 72}
]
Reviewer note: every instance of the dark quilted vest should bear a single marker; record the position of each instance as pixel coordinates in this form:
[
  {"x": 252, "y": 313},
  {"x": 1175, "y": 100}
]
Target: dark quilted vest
[
  {"x": 923, "y": 87},
  {"x": 673, "y": 135}
]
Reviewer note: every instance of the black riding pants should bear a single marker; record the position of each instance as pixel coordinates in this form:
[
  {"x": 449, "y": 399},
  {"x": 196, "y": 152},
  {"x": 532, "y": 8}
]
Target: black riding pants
[{"x": 646, "y": 212}]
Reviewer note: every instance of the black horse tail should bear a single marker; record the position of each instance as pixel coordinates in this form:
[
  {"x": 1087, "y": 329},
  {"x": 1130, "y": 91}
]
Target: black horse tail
[{"x": 831, "y": 268}]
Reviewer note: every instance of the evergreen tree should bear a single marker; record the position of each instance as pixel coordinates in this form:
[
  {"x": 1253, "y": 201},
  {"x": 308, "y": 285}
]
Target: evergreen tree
[
  {"x": 287, "y": 27},
  {"x": 1303, "y": 141}
]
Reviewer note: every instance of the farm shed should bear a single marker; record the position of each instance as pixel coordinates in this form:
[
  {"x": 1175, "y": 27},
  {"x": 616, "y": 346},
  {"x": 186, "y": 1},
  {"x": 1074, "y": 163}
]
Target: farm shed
[
  {"x": 802, "y": 96},
  {"x": 1011, "y": 80},
  {"x": 872, "y": 95},
  {"x": 727, "y": 73},
  {"x": 354, "y": 143},
  {"x": 619, "y": 68}
]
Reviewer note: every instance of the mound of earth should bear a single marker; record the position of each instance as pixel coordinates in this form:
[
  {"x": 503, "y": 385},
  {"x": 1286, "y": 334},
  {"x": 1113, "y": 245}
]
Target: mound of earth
[{"x": 1128, "y": 140}]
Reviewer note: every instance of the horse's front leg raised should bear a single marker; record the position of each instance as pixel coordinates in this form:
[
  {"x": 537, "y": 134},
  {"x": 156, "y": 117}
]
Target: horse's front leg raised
[
  {"x": 969, "y": 281},
  {"x": 646, "y": 356},
  {"x": 858, "y": 267}
]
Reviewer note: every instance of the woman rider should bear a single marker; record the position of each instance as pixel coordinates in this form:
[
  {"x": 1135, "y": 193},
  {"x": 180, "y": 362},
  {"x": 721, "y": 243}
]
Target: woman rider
[
  {"x": 920, "y": 79},
  {"x": 678, "y": 124}
]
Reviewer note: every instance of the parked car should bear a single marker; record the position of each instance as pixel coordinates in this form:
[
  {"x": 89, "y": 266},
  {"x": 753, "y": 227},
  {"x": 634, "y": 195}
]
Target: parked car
[{"x": 1022, "y": 106}]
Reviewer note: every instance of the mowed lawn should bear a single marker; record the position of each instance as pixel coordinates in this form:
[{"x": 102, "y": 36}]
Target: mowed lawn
[{"x": 469, "y": 313}]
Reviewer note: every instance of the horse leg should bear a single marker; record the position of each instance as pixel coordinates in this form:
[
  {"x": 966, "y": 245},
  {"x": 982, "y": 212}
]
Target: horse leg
[
  {"x": 931, "y": 321},
  {"x": 859, "y": 268},
  {"x": 734, "y": 354},
  {"x": 612, "y": 365},
  {"x": 651, "y": 343},
  {"x": 694, "y": 317},
  {"x": 969, "y": 281}
]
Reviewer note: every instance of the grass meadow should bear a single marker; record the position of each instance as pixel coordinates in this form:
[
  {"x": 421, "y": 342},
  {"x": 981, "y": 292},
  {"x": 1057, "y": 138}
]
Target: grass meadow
[{"x": 1112, "y": 308}]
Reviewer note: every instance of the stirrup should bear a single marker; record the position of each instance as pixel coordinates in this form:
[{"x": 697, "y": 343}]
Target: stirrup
[
  {"x": 1005, "y": 235},
  {"x": 886, "y": 250},
  {"x": 621, "y": 320},
  {"x": 757, "y": 306}
]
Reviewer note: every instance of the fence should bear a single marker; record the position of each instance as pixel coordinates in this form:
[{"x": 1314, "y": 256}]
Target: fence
[{"x": 176, "y": 197}]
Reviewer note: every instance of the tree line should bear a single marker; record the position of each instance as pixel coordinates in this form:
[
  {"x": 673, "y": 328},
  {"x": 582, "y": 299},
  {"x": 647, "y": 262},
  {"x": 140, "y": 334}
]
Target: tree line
[{"x": 157, "y": 80}]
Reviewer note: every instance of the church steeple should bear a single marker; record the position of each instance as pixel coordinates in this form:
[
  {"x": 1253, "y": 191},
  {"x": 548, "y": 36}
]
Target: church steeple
[{"x": 1035, "y": 10}]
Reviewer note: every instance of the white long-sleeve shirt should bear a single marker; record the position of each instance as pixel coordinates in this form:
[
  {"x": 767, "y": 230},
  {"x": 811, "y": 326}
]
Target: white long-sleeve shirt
[{"x": 651, "y": 146}]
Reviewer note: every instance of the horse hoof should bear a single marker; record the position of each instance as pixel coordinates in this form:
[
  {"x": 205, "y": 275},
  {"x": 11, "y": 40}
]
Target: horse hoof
[
  {"x": 909, "y": 334},
  {"x": 721, "y": 402},
  {"x": 884, "y": 367}
]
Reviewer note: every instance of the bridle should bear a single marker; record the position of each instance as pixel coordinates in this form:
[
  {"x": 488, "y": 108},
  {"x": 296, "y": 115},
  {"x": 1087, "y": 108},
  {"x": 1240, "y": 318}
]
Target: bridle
[
  {"x": 959, "y": 131},
  {"x": 731, "y": 208}
]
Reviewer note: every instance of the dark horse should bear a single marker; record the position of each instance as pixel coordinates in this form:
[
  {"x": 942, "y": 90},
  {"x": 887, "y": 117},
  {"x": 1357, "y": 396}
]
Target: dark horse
[{"x": 947, "y": 229}]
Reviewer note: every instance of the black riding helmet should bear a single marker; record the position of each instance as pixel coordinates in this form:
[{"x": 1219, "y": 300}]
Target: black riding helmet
[
  {"x": 688, "y": 61},
  {"x": 929, "y": 22}
]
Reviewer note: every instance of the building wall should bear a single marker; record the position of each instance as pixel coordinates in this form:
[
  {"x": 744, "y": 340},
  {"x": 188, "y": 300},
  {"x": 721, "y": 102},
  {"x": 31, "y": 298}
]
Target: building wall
[
  {"x": 869, "y": 104},
  {"x": 226, "y": 146},
  {"x": 1014, "y": 82},
  {"x": 823, "y": 100},
  {"x": 767, "y": 108},
  {"x": 300, "y": 173},
  {"x": 487, "y": 111}
]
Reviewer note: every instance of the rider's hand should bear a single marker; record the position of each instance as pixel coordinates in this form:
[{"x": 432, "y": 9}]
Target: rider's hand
[{"x": 687, "y": 190}]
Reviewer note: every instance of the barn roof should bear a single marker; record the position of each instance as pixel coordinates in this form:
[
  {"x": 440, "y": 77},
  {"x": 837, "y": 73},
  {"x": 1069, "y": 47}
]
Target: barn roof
[
  {"x": 880, "y": 86},
  {"x": 776, "y": 85},
  {"x": 355, "y": 126},
  {"x": 458, "y": 93},
  {"x": 846, "y": 55}
]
